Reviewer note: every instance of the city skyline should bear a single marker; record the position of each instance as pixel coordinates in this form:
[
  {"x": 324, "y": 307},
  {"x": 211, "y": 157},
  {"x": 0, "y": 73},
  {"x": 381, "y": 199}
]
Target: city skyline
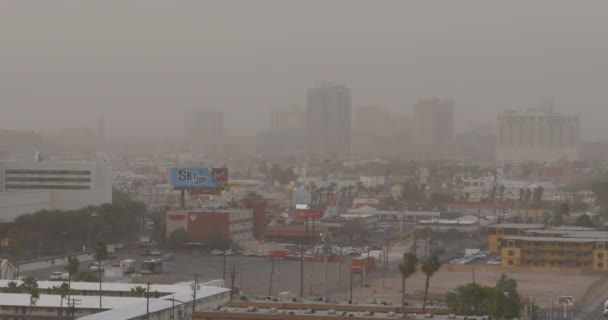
[{"x": 513, "y": 61}]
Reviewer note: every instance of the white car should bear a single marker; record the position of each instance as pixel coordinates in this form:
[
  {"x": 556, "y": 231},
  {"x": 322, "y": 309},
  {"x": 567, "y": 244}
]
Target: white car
[
  {"x": 59, "y": 276},
  {"x": 493, "y": 262},
  {"x": 96, "y": 267},
  {"x": 155, "y": 252},
  {"x": 249, "y": 254},
  {"x": 229, "y": 252},
  {"x": 262, "y": 254},
  {"x": 217, "y": 252}
]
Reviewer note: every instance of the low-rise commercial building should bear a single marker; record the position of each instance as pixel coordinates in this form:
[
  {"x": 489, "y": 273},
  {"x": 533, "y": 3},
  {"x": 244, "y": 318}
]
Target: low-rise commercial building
[
  {"x": 561, "y": 252},
  {"x": 498, "y": 231},
  {"x": 238, "y": 224},
  {"x": 59, "y": 185}
]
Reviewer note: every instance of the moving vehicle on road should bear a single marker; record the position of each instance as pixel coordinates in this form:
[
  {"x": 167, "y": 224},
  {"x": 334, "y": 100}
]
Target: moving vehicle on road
[
  {"x": 59, "y": 276},
  {"x": 152, "y": 266},
  {"x": 95, "y": 266}
]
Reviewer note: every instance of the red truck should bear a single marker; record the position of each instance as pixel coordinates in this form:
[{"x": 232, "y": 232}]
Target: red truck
[{"x": 363, "y": 263}]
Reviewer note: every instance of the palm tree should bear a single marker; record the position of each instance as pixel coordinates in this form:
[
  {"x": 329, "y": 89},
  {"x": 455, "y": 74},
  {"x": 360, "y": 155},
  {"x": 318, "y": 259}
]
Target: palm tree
[
  {"x": 138, "y": 292},
  {"x": 71, "y": 267},
  {"x": 407, "y": 267},
  {"x": 63, "y": 291},
  {"x": 29, "y": 285},
  {"x": 101, "y": 253},
  {"x": 429, "y": 266},
  {"x": 13, "y": 287}
]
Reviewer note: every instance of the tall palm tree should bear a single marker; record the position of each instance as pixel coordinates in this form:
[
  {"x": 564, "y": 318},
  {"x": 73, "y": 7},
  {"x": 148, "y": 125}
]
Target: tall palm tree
[
  {"x": 138, "y": 292},
  {"x": 71, "y": 267},
  {"x": 101, "y": 253},
  {"x": 429, "y": 266},
  {"x": 407, "y": 267},
  {"x": 29, "y": 285},
  {"x": 63, "y": 291}
]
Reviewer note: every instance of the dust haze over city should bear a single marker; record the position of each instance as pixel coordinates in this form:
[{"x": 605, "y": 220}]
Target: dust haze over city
[{"x": 310, "y": 152}]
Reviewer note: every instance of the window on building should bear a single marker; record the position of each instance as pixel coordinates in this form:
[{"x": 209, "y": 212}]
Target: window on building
[
  {"x": 510, "y": 262},
  {"x": 511, "y": 243},
  {"x": 600, "y": 255},
  {"x": 600, "y": 265}
]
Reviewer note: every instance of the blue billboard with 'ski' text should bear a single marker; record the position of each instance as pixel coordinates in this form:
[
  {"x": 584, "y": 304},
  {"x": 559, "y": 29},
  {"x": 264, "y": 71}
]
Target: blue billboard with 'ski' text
[{"x": 195, "y": 178}]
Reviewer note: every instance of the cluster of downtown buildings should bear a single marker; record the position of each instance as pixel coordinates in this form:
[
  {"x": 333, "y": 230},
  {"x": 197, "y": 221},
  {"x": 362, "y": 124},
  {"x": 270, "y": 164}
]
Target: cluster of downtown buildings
[{"x": 329, "y": 128}]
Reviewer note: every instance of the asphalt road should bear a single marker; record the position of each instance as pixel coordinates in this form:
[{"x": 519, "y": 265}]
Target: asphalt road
[{"x": 253, "y": 273}]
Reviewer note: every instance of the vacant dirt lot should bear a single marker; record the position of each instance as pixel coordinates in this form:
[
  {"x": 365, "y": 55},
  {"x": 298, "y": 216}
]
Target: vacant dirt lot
[{"x": 540, "y": 286}]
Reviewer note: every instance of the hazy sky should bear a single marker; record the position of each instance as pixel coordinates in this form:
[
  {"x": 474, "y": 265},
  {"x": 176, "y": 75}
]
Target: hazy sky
[{"x": 139, "y": 64}]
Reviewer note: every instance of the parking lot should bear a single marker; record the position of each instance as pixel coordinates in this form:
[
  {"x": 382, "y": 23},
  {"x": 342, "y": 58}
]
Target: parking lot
[{"x": 478, "y": 258}]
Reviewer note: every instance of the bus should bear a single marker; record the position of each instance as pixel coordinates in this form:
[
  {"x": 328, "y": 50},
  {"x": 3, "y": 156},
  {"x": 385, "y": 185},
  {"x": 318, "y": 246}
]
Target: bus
[{"x": 152, "y": 266}]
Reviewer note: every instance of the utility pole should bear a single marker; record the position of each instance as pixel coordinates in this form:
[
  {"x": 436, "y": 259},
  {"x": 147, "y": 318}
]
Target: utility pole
[
  {"x": 232, "y": 277},
  {"x": 271, "y": 275},
  {"x": 224, "y": 266},
  {"x": 350, "y": 300},
  {"x": 148, "y": 301},
  {"x": 339, "y": 266},
  {"x": 194, "y": 288}
]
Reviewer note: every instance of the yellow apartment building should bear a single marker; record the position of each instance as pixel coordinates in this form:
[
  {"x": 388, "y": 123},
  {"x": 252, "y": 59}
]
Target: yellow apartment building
[
  {"x": 498, "y": 231},
  {"x": 587, "y": 253}
]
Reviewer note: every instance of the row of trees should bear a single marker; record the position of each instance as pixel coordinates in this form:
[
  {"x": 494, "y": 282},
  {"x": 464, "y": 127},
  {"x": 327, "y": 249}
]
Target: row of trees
[
  {"x": 55, "y": 232},
  {"x": 409, "y": 265}
]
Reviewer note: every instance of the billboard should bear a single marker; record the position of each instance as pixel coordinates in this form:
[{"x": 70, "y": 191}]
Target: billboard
[
  {"x": 307, "y": 213},
  {"x": 565, "y": 300},
  {"x": 199, "y": 178}
]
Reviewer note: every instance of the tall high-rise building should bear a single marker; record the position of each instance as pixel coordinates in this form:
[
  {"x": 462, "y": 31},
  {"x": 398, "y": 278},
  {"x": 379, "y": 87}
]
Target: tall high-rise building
[
  {"x": 434, "y": 124},
  {"x": 537, "y": 134},
  {"x": 287, "y": 118},
  {"x": 204, "y": 131},
  {"x": 328, "y": 121}
]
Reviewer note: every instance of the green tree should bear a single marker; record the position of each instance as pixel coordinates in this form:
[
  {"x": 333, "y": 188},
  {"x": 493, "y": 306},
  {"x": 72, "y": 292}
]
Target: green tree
[
  {"x": 13, "y": 287},
  {"x": 71, "y": 268},
  {"x": 138, "y": 291},
  {"x": 101, "y": 253},
  {"x": 474, "y": 299},
  {"x": 86, "y": 276},
  {"x": 429, "y": 266},
  {"x": 407, "y": 267},
  {"x": 29, "y": 286},
  {"x": 63, "y": 291},
  {"x": 584, "y": 221},
  {"x": 177, "y": 238},
  {"x": 506, "y": 284}
]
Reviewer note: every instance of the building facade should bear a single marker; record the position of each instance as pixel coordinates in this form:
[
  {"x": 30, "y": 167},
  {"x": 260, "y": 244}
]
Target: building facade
[
  {"x": 70, "y": 185},
  {"x": 204, "y": 131},
  {"x": 539, "y": 134},
  {"x": 237, "y": 224},
  {"x": 287, "y": 118},
  {"x": 434, "y": 124},
  {"x": 328, "y": 122},
  {"x": 498, "y": 231}
]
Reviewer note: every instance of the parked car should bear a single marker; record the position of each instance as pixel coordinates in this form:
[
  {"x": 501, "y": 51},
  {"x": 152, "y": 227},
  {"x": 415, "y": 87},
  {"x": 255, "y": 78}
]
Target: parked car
[
  {"x": 262, "y": 254},
  {"x": 229, "y": 252},
  {"x": 96, "y": 267},
  {"x": 155, "y": 252},
  {"x": 217, "y": 252},
  {"x": 249, "y": 254},
  {"x": 59, "y": 276},
  {"x": 493, "y": 262}
]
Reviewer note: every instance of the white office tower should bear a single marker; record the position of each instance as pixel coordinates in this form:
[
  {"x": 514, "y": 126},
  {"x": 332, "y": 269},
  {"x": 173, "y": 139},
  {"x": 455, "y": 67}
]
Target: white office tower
[{"x": 538, "y": 134}]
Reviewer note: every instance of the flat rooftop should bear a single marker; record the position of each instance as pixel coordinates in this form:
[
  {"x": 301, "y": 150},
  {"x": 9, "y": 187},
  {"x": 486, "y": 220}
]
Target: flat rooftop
[
  {"x": 232, "y": 313},
  {"x": 54, "y": 301},
  {"x": 518, "y": 226},
  {"x": 108, "y": 286},
  {"x": 551, "y": 239}
]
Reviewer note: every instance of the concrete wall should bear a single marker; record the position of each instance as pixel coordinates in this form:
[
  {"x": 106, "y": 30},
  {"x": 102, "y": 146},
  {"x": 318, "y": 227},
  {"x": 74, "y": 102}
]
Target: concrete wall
[{"x": 17, "y": 203}]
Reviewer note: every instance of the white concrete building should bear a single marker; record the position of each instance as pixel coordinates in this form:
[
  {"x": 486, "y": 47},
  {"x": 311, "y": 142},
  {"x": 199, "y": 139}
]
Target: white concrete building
[
  {"x": 71, "y": 185},
  {"x": 540, "y": 134},
  {"x": 169, "y": 301}
]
